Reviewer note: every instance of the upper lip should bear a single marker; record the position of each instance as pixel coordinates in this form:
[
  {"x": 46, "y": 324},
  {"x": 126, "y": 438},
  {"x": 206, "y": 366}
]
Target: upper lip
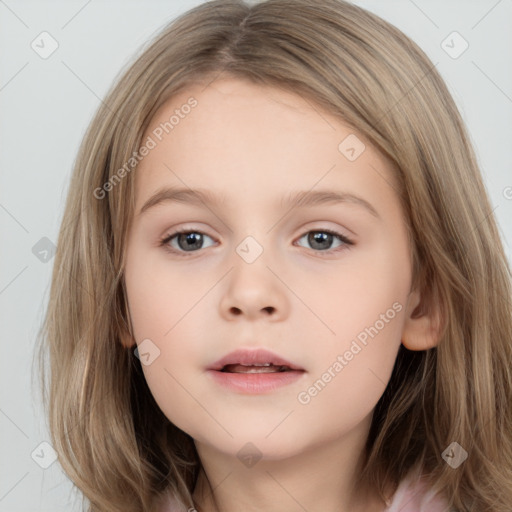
[{"x": 249, "y": 357}]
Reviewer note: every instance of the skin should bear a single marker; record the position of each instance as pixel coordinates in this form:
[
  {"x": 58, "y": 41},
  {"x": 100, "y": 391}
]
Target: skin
[{"x": 254, "y": 145}]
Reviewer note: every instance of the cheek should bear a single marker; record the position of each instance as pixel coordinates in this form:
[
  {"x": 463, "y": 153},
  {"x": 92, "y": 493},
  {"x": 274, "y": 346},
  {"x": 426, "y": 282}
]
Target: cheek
[
  {"x": 372, "y": 282},
  {"x": 159, "y": 296}
]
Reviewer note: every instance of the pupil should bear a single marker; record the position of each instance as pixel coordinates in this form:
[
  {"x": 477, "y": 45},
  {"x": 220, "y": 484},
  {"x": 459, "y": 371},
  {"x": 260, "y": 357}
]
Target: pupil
[
  {"x": 317, "y": 237},
  {"x": 191, "y": 241}
]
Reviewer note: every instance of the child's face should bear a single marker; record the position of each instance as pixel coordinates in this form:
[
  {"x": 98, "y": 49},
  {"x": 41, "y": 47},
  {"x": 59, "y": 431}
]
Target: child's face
[{"x": 305, "y": 298}]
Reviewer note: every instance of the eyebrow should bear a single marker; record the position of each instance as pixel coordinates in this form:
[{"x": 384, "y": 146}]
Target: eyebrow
[{"x": 299, "y": 199}]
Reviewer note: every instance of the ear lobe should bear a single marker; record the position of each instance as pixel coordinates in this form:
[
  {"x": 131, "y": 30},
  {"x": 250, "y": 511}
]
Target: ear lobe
[
  {"x": 422, "y": 326},
  {"x": 126, "y": 337},
  {"x": 126, "y": 340}
]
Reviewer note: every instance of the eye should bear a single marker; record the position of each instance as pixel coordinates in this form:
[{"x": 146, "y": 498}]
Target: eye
[
  {"x": 321, "y": 240},
  {"x": 185, "y": 240},
  {"x": 182, "y": 241}
]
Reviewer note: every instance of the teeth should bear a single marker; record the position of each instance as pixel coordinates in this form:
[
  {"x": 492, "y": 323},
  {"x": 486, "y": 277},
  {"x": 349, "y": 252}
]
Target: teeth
[{"x": 254, "y": 368}]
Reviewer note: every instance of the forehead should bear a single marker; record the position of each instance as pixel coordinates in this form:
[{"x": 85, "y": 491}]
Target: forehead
[
  {"x": 229, "y": 105},
  {"x": 251, "y": 139},
  {"x": 214, "y": 94}
]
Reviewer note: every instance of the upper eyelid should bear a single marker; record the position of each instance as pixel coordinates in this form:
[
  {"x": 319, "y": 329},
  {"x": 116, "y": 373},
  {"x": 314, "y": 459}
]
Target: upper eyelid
[
  {"x": 335, "y": 232},
  {"x": 176, "y": 231}
]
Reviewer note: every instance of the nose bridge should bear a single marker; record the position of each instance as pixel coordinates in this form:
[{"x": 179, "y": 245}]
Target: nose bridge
[
  {"x": 257, "y": 225},
  {"x": 252, "y": 260},
  {"x": 252, "y": 248}
]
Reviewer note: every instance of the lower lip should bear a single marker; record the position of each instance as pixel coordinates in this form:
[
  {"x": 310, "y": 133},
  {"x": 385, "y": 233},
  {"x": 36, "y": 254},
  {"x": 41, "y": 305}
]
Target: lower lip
[{"x": 255, "y": 383}]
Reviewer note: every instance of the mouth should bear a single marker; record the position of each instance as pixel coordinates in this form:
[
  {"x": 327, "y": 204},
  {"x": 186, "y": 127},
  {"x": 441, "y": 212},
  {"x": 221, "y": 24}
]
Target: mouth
[
  {"x": 258, "y": 360},
  {"x": 254, "y": 372},
  {"x": 255, "y": 368}
]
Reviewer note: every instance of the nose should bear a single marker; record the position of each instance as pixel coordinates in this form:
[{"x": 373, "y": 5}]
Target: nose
[{"x": 254, "y": 292}]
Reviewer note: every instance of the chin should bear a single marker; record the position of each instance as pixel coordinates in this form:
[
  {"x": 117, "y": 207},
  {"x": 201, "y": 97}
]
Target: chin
[{"x": 251, "y": 444}]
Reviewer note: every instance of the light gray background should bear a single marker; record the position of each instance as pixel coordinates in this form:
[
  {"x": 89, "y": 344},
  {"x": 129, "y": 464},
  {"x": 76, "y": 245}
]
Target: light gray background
[{"x": 46, "y": 104}]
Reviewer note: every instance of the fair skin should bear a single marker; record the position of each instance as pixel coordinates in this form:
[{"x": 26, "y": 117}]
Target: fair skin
[{"x": 307, "y": 302}]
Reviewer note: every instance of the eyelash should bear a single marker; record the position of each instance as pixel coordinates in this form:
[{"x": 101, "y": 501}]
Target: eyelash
[{"x": 164, "y": 242}]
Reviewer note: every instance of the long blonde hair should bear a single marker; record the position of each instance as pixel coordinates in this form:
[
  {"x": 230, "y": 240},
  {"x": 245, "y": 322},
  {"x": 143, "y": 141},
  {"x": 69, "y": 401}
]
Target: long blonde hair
[{"x": 111, "y": 437}]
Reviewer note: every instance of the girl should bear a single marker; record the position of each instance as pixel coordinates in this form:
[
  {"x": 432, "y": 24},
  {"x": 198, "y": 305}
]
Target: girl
[{"x": 207, "y": 351}]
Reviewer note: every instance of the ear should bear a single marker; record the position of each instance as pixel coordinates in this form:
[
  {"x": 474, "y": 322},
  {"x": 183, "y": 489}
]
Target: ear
[
  {"x": 125, "y": 336},
  {"x": 126, "y": 339},
  {"x": 422, "y": 327}
]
